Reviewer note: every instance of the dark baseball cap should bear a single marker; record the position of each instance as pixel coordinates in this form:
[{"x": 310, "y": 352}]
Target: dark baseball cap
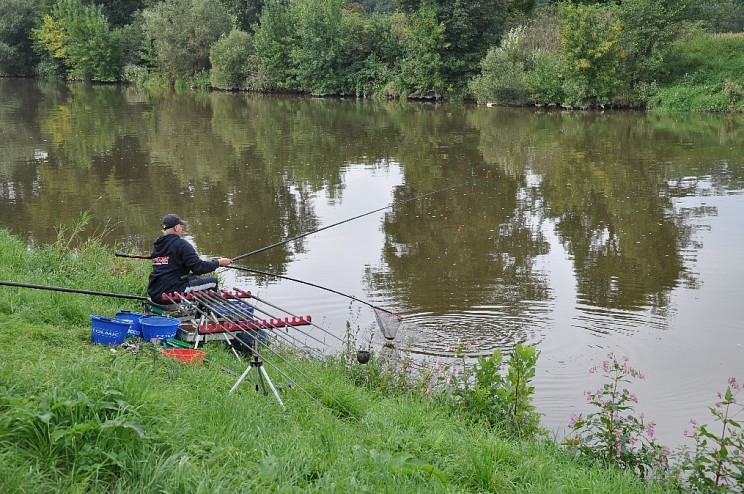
[{"x": 171, "y": 220}]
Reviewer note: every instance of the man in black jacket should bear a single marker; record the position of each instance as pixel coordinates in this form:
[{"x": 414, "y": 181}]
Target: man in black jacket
[{"x": 175, "y": 263}]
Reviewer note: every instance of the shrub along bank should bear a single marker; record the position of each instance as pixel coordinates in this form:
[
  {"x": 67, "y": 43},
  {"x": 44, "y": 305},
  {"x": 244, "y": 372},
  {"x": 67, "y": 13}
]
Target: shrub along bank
[{"x": 77, "y": 417}]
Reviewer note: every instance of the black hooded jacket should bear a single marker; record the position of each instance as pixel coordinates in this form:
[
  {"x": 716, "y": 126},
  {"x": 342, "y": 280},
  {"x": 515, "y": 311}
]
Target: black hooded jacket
[{"x": 173, "y": 259}]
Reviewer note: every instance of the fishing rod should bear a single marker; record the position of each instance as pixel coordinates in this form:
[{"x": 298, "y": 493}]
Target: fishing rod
[
  {"x": 132, "y": 256},
  {"x": 72, "y": 290},
  {"x": 225, "y": 307},
  {"x": 352, "y": 297},
  {"x": 389, "y": 206}
]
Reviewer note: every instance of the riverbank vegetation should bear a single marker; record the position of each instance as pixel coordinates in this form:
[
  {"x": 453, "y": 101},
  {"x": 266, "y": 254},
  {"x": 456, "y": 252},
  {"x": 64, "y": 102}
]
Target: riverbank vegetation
[
  {"x": 658, "y": 54},
  {"x": 78, "y": 417}
]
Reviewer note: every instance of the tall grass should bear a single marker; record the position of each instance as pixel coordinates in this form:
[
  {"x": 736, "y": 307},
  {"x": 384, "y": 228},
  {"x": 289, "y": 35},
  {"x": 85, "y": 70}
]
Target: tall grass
[
  {"x": 78, "y": 417},
  {"x": 706, "y": 74}
]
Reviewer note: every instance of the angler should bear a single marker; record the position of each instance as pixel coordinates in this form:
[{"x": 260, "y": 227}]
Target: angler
[{"x": 176, "y": 265}]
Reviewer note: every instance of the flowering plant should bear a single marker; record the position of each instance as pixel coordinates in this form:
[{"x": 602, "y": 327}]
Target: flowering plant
[
  {"x": 614, "y": 433},
  {"x": 717, "y": 464}
]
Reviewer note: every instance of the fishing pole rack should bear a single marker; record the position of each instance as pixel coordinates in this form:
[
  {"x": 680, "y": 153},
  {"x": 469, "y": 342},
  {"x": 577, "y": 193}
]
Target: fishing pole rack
[{"x": 218, "y": 315}]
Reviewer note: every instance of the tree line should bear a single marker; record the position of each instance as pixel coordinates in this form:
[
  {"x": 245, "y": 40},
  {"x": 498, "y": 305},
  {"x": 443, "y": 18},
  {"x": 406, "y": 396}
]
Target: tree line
[{"x": 567, "y": 53}]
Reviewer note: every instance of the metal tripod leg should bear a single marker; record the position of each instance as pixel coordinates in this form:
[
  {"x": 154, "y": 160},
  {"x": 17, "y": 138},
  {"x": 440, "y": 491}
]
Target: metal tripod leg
[{"x": 262, "y": 378}]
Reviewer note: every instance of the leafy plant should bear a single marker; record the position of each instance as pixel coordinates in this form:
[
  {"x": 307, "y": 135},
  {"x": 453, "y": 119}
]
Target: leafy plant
[
  {"x": 230, "y": 58},
  {"x": 717, "y": 464},
  {"x": 79, "y": 36},
  {"x": 591, "y": 54},
  {"x": 502, "y": 393},
  {"x": 614, "y": 434},
  {"x": 503, "y": 71}
]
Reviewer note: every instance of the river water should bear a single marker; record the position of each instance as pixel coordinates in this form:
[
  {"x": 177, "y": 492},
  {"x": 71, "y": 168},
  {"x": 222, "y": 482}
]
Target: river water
[{"x": 583, "y": 233}]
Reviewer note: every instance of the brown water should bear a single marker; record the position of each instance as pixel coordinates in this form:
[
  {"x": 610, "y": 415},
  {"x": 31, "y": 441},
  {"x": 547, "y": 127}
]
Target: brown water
[{"x": 582, "y": 233}]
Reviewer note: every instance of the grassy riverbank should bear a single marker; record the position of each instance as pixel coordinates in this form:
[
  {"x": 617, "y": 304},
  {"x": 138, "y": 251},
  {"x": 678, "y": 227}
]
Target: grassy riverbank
[{"x": 77, "y": 417}]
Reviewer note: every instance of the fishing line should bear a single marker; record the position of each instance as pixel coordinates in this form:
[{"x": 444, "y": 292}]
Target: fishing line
[
  {"x": 352, "y": 297},
  {"x": 294, "y": 315},
  {"x": 389, "y": 206}
]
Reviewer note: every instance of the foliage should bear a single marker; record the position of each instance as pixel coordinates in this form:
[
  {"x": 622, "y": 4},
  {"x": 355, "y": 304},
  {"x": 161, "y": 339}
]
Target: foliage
[
  {"x": 245, "y": 12},
  {"x": 79, "y": 36},
  {"x": 16, "y": 52},
  {"x": 613, "y": 434},
  {"x": 231, "y": 59},
  {"x": 324, "y": 45},
  {"x": 503, "y": 72},
  {"x": 422, "y": 66},
  {"x": 544, "y": 80},
  {"x": 470, "y": 30},
  {"x": 380, "y": 50},
  {"x": 717, "y": 462},
  {"x": 502, "y": 398},
  {"x": 120, "y": 13},
  {"x": 183, "y": 32},
  {"x": 591, "y": 54},
  {"x": 646, "y": 36},
  {"x": 705, "y": 75},
  {"x": 274, "y": 40}
]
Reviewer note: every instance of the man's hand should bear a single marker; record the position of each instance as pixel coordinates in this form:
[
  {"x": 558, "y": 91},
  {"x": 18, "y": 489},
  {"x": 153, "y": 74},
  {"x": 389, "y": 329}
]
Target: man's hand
[{"x": 224, "y": 261}]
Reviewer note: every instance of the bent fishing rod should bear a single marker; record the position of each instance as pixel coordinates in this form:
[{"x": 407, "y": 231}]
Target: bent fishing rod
[
  {"x": 389, "y": 206},
  {"x": 71, "y": 290}
]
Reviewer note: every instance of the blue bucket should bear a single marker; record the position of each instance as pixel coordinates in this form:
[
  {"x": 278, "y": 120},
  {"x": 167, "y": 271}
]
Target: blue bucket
[
  {"x": 233, "y": 308},
  {"x": 109, "y": 330},
  {"x": 160, "y": 327},
  {"x": 126, "y": 315}
]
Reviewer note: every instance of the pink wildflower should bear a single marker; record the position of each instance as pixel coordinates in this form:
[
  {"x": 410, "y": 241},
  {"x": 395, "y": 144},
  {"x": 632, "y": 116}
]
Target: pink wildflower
[
  {"x": 573, "y": 421},
  {"x": 650, "y": 429}
]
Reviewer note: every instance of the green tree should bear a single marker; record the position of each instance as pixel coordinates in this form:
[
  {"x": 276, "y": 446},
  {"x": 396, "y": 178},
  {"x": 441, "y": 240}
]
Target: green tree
[
  {"x": 17, "y": 57},
  {"x": 183, "y": 32},
  {"x": 79, "y": 36},
  {"x": 246, "y": 12},
  {"x": 647, "y": 33},
  {"x": 323, "y": 46},
  {"x": 120, "y": 12},
  {"x": 274, "y": 41},
  {"x": 231, "y": 60},
  {"x": 470, "y": 29},
  {"x": 591, "y": 54},
  {"x": 503, "y": 72},
  {"x": 422, "y": 65}
]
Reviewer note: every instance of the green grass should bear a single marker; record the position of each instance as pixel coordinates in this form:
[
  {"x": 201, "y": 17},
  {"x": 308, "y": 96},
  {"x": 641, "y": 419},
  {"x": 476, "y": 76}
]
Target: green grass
[
  {"x": 707, "y": 75},
  {"x": 78, "y": 417}
]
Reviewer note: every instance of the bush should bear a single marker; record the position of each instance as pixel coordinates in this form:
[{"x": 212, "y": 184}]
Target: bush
[
  {"x": 502, "y": 72},
  {"x": 183, "y": 32},
  {"x": 231, "y": 60},
  {"x": 591, "y": 54},
  {"x": 79, "y": 36},
  {"x": 16, "y": 53},
  {"x": 501, "y": 392},
  {"x": 544, "y": 80}
]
